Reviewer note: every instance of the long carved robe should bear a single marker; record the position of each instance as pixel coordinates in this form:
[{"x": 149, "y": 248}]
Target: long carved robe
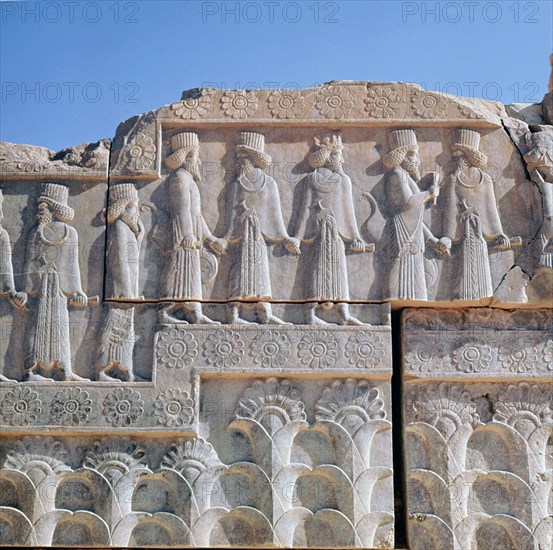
[
  {"x": 52, "y": 274},
  {"x": 181, "y": 275},
  {"x": 6, "y": 267},
  {"x": 122, "y": 265},
  {"x": 256, "y": 219},
  {"x": 122, "y": 257},
  {"x": 327, "y": 220},
  {"x": 405, "y": 203},
  {"x": 471, "y": 234}
]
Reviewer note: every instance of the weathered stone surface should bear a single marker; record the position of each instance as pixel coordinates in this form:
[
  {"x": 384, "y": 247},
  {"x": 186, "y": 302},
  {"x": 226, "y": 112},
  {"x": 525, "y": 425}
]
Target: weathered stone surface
[
  {"x": 200, "y": 352},
  {"x": 477, "y": 406}
]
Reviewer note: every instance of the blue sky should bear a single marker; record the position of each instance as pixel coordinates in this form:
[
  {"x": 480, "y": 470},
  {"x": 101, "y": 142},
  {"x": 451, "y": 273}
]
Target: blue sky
[{"x": 71, "y": 71}]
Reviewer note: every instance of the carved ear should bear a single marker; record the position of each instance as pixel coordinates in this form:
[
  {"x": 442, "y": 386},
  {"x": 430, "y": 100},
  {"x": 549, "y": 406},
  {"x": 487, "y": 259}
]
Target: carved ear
[{"x": 103, "y": 215}]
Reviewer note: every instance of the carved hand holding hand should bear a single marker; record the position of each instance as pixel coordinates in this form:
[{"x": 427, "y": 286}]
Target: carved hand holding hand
[
  {"x": 218, "y": 245},
  {"x": 18, "y": 299},
  {"x": 292, "y": 245}
]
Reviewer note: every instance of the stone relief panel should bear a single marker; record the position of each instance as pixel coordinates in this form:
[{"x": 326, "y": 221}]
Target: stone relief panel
[
  {"x": 477, "y": 406},
  {"x": 277, "y": 436},
  {"x": 424, "y": 235},
  {"x": 53, "y": 243}
]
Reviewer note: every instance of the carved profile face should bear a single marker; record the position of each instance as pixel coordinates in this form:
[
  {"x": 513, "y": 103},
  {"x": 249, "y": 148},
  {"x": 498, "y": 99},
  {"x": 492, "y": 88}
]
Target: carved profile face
[
  {"x": 44, "y": 213},
  {"x": 412, "y": 163},
  {"x": 336, "y": 160},
  {"x": 193, "y": 163},
  {"x": 540, "y": 155}
]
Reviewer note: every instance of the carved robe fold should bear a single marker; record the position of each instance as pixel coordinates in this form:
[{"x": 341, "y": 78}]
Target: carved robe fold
[
  {"x": 181, "y": 275},
  {"x": 470, "y": 233},
  {"x": 6, "y": 267},
  {"x": 405, "y": 238},
  {"x": 122, "y": 256},
  {"x": 327, "y": 221},
  {"x": 256, "y": 219},
  {"x": 52, "y": 274}
]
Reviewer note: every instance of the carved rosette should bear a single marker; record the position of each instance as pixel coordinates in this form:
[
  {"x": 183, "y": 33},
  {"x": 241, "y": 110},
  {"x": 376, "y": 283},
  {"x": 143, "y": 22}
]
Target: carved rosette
[
  {"x": 192, "y": 108},
  {"x": 142, "y": 151},
  {"x": 223, "y": 349},
  {"x": 518, "y": 360},
  {"x": 176, "y": 348},
  {"x": 270, "y": 349},
  {"x": 428, "y": 105},
  {"x": 71, "y": 407},
  {"x": 239, "y": 103},
  {"x": 334, "y": 101},
  {"x": 423, "y": 361},
  {"x": 365, "y": 350},
  {"x": 472, "y": 358},
  {"x": 318, "y": 350},
  {"x": 548, "y": 354},
  {"x": 123, "y": 407},
  {"x": 285, "y": 104},
  {"x": 174, "y": 408},
  {"x": 382, "y": 102},
  {"x": 21, "y": 406}
]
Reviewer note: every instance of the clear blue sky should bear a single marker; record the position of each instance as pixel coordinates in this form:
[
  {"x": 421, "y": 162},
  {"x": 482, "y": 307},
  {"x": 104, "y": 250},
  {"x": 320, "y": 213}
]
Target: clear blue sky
[{"x": 71, "y": 71}]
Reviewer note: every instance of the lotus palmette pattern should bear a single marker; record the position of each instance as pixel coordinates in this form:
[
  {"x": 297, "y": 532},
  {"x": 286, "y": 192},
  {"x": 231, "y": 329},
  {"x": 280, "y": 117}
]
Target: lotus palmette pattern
[
  {"x": 271, "y": 397},
  {"x": 43, "y": 455},
  {"x": 350, "y": 397},
  {"x": 191, "y": 457}
]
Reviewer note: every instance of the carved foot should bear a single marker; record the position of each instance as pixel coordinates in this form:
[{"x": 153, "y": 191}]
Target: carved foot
[
  {"x": 165, "y": 319},
  {"x": 240, "y": 321},
  {"x": 205, "y": 320},
  {"x": 314, "y": 320},
  {"x": 116, "y": 371},
  {"x": 7, "y": 380},
  {"x": 351, "y": 321},
  {"x": 72, "y": 377},
  {"x": 273, "y": 320}
]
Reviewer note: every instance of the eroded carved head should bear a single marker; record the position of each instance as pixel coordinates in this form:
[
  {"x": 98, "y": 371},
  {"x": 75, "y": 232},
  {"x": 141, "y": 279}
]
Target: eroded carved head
[{"x": 540, "y": 151}]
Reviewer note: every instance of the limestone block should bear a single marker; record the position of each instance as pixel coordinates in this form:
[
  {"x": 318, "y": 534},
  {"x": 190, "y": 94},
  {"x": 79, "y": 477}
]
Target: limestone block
[{"x": 477, "y": 406}]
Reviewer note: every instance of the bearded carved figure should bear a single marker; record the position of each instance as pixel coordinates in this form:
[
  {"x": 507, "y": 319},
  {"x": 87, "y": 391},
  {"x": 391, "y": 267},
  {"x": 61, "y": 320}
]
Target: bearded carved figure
[
  {"x": 471, "y": 218},
  {"x": 7, "y": 284},
  {"x": 53, "y": 281},
  {"x": 406, "y": 234},
  {"x": 124, "y": 237},
  {"x": 539, "y": 159},
  {"x": 188, "y": 233},
  {"x": 255, "y": 222},
  {"x": 326, "y": 224}
]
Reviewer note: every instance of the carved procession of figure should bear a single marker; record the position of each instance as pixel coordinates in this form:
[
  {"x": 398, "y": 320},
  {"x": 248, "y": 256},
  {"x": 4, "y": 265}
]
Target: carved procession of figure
[
  {"x": 540, "y": 162},
  {"x": 124, "y": 236},
  {"x": 406, "y": 234},
  {"x": 7, "y": 284},
  {"x": 471, "y": 218},
  {"x": 326, "y": 222},
  {"x": 188, "y": 232},
  {"x": 255, "y": 221},
  {"x": 53, "y": 281}
]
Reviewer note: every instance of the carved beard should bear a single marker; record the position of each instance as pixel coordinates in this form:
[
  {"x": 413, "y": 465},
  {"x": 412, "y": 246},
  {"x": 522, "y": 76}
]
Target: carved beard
[
  {"x": 245, "y": 166},
  {"x": 193, "y": 168},
  {"x": 131, "y": 221},
  {"x": 335, "y": 165},
  {"x": 463, "y": 164},
  {"x": 44, "y": 217},
  {"x": 413, "y": 169}
]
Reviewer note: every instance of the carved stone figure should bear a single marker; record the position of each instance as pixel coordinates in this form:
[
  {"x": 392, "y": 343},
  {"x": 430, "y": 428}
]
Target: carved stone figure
[
  {"x": 539, "y": 159},
  {"x": 407, "y": 233},
  {"x": 188, "y": 231},
  {"x": 255, "y": 221},
  {"x": 7, "y": 285},
  {"x": 326, "y": 223},
  {"x": 124, "y": 237},
  {"x": 471, "y": 219},
  {"x": 53, "y": 279}
]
